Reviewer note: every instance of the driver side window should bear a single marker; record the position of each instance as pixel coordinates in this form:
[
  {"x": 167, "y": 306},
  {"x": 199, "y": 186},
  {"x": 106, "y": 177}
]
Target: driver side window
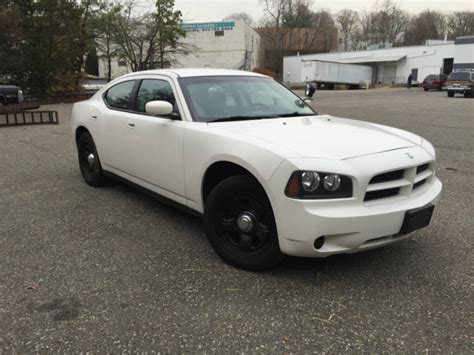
[{"x": 152, "y": 90}]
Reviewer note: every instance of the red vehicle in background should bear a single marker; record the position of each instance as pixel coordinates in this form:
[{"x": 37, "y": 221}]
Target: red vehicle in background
[{"x": 434, "y": 82}]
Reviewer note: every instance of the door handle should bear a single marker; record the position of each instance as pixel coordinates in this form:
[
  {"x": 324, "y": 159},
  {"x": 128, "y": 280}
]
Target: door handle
[
  {"x": 93, "y": 117},
  {"x": 131, "y": 125}
]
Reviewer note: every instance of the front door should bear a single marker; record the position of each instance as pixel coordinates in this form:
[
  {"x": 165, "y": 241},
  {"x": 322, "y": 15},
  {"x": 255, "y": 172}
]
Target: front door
[{"x": 155, "y": 144}]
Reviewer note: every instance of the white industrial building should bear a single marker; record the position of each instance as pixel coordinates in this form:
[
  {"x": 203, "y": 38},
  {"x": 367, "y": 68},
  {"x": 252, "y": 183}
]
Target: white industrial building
[
  {"x": 229, "y": 45},
  {"x": 393, "y": 65}
]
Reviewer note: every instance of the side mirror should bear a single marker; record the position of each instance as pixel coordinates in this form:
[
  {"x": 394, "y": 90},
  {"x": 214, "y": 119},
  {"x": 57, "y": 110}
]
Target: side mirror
[
  {"x": 310, "y": 90},
  {"x": 159, "y": 108}
]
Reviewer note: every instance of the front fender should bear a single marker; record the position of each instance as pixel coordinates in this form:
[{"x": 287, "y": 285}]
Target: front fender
[{"x": 202, "y": 149}]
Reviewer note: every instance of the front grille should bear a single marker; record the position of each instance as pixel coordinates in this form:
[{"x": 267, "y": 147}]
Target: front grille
[
  {"x": 396, "y": 182},
  {"x": 422, "y": 168},
  {"x": 390, "y": 176},
  {"x": 375, "y": 195},
  {"x": 418, "y": 184}
]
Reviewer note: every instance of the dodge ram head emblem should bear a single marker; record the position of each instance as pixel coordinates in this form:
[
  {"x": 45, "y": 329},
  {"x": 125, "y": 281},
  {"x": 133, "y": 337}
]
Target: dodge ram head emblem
[{"x": 409, "y": 155}]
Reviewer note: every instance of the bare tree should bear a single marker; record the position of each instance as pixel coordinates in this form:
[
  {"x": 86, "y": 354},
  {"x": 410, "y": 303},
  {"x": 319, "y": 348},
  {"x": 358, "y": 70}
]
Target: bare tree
[
  {"x": 298, "y": 14},
  {"x": 290, "y": 26},
  {"x": 275, "y": 10},
  {"x": 104, "y": 27},
  {"x": 151, "y": 39},
  {"x": 389, "y": 22},
  {"x": 426, "y": 25},
  {"x": 461, "y": 23},
  {"x": 326, "y": 31},
  {"x": 348, "y": 21},
  {"x": 365, "y": 35},
  {"x": 240, "y": 16}
]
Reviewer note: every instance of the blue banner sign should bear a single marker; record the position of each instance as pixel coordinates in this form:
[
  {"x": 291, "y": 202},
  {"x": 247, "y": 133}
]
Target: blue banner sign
[{"x": 208, "y": 26}]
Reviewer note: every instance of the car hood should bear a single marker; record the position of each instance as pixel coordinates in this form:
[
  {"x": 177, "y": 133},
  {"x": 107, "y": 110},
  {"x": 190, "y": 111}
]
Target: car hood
[{"x": 323, "y": 136}]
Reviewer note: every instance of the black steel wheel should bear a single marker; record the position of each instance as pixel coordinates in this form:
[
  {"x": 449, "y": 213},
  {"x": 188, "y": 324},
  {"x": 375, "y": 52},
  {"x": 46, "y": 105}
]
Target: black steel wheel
[
  {"x": 240, "y": 225},
  {"x": 245, "y": 223},
  {"x": 89, "y": 162}
]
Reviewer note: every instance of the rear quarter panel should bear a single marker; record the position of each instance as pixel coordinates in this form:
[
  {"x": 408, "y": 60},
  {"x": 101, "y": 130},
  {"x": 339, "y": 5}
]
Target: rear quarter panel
[{"x": 81, "y": 116}]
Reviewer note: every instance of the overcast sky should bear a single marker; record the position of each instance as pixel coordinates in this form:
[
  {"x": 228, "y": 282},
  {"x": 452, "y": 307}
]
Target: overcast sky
[{"x": 215, "y": 10}]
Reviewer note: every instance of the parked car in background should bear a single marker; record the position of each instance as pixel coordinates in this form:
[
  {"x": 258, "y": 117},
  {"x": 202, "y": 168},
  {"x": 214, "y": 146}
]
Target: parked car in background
[
  {"x": 93, "y": 85},
  {"x": 461, "y": 82},
  {"x": 434, "y": 82},
  {"x": 270, "y": 175},
  {"x": 10, "y": 94}
]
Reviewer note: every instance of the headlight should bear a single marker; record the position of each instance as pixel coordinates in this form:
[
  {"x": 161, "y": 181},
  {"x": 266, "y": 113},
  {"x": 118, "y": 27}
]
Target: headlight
[
  {"x": 332, "y": 182},
  {"x": 307, "y": 185},
  {"x": 310, "y": 180}
]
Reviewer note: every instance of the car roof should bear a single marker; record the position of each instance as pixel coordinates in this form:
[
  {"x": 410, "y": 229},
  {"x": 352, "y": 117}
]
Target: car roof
[{"x": 193, "y": 72}]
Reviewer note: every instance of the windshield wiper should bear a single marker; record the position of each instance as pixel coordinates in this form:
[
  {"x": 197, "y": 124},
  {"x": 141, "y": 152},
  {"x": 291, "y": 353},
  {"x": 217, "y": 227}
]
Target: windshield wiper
[
  {"x": 241, "y": 118},
  {"x": 295, "y": 114}
]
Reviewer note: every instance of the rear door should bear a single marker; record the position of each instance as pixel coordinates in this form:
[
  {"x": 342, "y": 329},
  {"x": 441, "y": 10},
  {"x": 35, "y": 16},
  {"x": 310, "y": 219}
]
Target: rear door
[{"x": 113, "y": 125}]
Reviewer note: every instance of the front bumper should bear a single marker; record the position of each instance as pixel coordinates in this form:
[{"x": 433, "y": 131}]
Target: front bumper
[
  {"x": 350, "y": 225},
  {"x": 460, "y": 89}
]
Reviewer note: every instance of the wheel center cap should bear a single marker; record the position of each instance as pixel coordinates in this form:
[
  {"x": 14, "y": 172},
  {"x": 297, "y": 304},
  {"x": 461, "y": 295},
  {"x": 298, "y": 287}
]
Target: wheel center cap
[
  {"x": 246, "y": 222},
  {"x": 91, "y": 159}
]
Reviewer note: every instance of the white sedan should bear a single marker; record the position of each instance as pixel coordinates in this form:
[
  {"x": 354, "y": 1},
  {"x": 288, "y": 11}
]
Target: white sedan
[{"x": 269, "y": 174}]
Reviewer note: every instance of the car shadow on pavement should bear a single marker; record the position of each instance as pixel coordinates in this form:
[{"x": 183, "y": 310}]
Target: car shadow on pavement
[{"x": 371, "y": 261}]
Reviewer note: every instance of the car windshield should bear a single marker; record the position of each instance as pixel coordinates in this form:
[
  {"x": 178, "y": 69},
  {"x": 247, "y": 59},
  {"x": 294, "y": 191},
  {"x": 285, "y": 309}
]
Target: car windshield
[
  {"x": 459, "y": 76},
  {"x": 232, "y": 98}
]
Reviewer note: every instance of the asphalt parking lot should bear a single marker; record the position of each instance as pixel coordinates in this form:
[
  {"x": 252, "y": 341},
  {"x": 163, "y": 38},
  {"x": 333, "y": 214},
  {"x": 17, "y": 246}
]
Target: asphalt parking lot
[{"x": 113, "y": 270}]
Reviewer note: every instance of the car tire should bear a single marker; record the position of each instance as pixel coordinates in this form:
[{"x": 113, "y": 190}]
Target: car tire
[
  {"x": 426, "y": 89},
  {"x": 89, "y": 161},
  {"x": 240, "y": 225},
  {"x": 450, "y": 93}
]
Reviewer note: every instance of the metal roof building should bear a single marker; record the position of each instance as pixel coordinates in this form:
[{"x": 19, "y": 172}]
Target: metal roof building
[{"x": 394, "y": 65}]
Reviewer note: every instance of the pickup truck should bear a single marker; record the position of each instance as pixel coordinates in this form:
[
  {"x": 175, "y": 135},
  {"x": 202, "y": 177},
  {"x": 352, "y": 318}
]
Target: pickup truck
[{"x": 10, "y": 94}]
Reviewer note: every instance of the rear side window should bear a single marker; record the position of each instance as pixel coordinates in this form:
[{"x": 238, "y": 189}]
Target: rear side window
[
  {"x": 152, "y": 90},
  {"x": 459, "y": 76},
  {"x": 119, "y": 96}
]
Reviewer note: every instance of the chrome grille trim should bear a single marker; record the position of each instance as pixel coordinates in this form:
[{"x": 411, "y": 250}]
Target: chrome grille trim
[{"x": 399, "y": 182}]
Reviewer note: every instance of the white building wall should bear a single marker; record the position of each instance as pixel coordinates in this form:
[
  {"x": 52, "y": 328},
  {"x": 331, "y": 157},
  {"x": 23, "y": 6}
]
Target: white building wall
[
  {"x": 427, "y": 59},
  {"x": 464, "y": 53},
  {"x": 240, "y": 47},
  {"x": 117, "y": 69}
]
